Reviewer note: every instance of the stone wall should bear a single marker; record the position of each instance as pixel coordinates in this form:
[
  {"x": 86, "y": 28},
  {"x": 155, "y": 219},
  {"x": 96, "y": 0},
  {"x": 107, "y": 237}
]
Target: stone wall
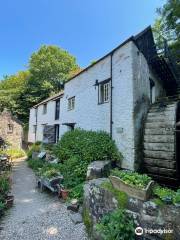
[
  {"x": 99, "y": 200},
  {"x": 11, "y": 129}
]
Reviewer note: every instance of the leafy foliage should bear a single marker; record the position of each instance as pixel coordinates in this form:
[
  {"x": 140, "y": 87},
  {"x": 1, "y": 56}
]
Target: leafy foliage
[
  {"x": 87, "y": 145},
  {"x": 120, "y": 196},
  {"x": 36, "y": 147},
  {"x": 132, "y": 178},
  {"x": 11, "y": 90},
  {"x": 48, "y": 68},
  {"x": 14, "y": 153},
  {"x": 167, "y": 26},
  {"x": 4, "y": 185},
  {"x": 35, "y": 164},
  {"x": 176, "y": 199},
  {"x": 164, "y": 193},
  {"x": 77, "y": 192},
  {"x": 117, "y": 225}
]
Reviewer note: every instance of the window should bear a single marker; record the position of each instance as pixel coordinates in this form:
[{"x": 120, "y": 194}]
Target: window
[
  {"x": 104, "y": 92},
  {"x": 34, "y": 128},
  {"x": 57, "y": 109},
  {"x": 71, "y": 103},
  {"x": 45, "y": 108},
  {"x": 35, "y": 112},
  {"x": 10, "y": 128}
]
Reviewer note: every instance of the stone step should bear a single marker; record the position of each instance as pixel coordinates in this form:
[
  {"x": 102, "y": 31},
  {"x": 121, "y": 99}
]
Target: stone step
[
  {"x": 159, "y": 125},
  {"x": 159, "y": 146},
  {"x": 159, "y": 154},
  {"x": 166, "y": 120},
  {"x": 164, "y": 115},
  {"x": 159, "y": 131},
  {"x": 159, "y": 138},
  {"x": 160, "y": 163}
]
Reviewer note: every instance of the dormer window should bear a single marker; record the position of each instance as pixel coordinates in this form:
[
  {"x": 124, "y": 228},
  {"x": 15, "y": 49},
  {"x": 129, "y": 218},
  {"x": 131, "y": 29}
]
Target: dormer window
[{"x": 45, "y": 108}]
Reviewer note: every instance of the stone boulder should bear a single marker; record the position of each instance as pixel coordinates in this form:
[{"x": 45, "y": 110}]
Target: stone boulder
[
  {"x": 100, "y": 200},
  {"x": 98, "y": 169}
]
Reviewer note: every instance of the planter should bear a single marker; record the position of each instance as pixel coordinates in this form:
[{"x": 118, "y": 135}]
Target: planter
[
  {"x": 52, "y": 184},
  {"x": 9, "y": 201},
  {"x": 64, "y": 193},
  {"x": 133, "y": 191}
]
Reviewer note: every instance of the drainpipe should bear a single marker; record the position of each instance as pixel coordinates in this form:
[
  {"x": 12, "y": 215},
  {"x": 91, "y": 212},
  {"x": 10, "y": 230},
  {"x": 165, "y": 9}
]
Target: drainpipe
[
  {"x": 111, "y": 100},
  {"x": 36, "y": 109}
]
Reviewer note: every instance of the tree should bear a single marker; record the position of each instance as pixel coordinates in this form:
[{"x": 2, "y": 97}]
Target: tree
[
  {"x": 11, "y": 89},
  {"x": 167, "y": 26},
  {"x": 50, "y": 66}
]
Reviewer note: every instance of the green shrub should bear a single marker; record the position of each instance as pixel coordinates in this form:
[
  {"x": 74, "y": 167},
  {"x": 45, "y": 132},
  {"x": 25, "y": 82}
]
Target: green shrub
[
  {"x": 132, "y": 178},
  {"x": 165, "y": 194},
  {"x": 14, "y": 153},
  {"x": 176, "y": 199},
  {"x": 87, "y": 145},
  {"x": 36, "y": 147},
  {"x": 2, "y": 205},
  {"x": 77, "y": 192},
  {"x": 74, "y": 171},
  {"x": 35, "y": 164},
  {"x": 117, "y": 225},
  {"x": 4, "y": 185}
]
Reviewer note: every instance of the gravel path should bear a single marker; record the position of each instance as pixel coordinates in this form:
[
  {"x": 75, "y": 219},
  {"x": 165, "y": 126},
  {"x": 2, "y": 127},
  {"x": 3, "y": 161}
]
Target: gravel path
[{"x": 35, "y": 215}]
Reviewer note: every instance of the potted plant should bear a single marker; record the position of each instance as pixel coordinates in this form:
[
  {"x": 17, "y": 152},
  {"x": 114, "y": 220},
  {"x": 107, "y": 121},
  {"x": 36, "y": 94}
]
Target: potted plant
[
  {"x": 134, "y": 184},
  {"x": 64, "y": 192}
]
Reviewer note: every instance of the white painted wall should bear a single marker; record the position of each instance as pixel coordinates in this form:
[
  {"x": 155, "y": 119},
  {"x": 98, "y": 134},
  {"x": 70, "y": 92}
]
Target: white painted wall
[
  {"x": 141, "y": 98},
  {"x": 48, "y": 118},
  {"x": 131, "y": 100},
  {"x": 91, "y": 116}
]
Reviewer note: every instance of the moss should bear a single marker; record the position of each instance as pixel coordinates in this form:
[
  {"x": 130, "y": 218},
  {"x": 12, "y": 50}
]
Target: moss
[
  {"x": 87, "y": 220},
  {"x": 158, "y": 202},
  {"x": 120, "y": 196}
]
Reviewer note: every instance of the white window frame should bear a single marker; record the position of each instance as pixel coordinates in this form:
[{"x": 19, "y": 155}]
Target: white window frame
[
  {"x": 71, "y": 103},
  {"x": 104, "y": 92}
]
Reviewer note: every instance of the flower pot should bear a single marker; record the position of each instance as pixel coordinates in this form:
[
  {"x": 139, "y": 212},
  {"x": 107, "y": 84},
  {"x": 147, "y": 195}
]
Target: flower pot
[
  {"x": 64, "y": 193},
  {"x": 132, "y": 191},
  {"x": 9, "y": 201}
]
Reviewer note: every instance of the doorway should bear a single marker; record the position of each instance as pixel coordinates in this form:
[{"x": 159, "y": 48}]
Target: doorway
[{"x": 152, "y": 91}]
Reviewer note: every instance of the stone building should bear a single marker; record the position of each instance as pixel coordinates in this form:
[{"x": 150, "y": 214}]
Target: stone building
[
  {"x": 11, "y": 130},
  {"x": 117, "y": 94}
]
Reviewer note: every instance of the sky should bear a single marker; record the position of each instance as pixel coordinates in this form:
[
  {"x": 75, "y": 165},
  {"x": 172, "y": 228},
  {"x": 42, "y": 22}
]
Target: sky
[{"x": 88, "y": 29}]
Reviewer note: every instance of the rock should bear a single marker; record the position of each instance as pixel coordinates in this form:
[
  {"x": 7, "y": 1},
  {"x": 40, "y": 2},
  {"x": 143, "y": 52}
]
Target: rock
[
  {"x": 35, "y": 155},
  {"x": 97, "y": 200},
  {"x": 150, "y": 208},
  {"x": 76, "y": 218},
  {"x": 134, "y": 204},
  {"x": 73, "y": 207},
  {"x": 98, "y": 169}
]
